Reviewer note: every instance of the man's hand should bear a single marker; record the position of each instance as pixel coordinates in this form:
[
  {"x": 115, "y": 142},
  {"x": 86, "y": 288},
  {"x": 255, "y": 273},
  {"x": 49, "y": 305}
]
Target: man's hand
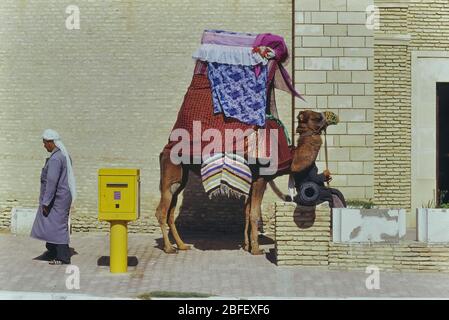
[
  {"x": 327, "y": 175},
  {"x": 45, "y": 211}
]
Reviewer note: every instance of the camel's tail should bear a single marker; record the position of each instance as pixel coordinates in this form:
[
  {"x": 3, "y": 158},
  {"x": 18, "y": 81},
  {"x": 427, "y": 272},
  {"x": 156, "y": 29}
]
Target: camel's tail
[
  {"x": 160, "y": 171},
  {"x": 278, "y": 192}
]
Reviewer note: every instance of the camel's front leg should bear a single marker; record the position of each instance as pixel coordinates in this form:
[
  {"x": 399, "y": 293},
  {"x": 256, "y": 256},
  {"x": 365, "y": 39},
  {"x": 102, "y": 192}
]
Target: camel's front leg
[{"x": 257, "y": 192}]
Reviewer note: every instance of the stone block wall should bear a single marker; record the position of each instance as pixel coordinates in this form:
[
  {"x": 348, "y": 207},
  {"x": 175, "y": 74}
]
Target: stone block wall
[
  {"x": 343, "y": 65},
  {"x": 111, "y": 89},
  {"x": 334, "y": 68}
]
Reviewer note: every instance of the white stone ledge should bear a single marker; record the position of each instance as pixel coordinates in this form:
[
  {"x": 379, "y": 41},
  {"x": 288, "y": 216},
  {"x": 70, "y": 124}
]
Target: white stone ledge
[
  {"x": 392, "y": 4},
  {"x": 392, "y": 39}
]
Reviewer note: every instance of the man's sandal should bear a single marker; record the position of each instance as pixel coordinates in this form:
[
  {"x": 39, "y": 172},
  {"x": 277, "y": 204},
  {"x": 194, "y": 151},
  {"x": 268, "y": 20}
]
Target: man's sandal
[{"x": 56, "y": 262}]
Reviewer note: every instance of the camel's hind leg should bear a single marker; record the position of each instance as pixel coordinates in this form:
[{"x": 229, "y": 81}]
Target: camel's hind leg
[
  {"x": 247, "y": 213},
  {"x": 171, "y": 222},
  {"x": 161, "y": 214},
  {"x": 257, "y": 192},
  {"x": 171, "y": 180}
]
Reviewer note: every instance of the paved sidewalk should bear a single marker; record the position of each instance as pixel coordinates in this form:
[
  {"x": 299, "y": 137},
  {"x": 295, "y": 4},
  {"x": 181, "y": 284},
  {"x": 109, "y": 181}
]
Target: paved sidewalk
[
  {"x": 215, "y": 266},
  {"x": 23, "y": 295}
]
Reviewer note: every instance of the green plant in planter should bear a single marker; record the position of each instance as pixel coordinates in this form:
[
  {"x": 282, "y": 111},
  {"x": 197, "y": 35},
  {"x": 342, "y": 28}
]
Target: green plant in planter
[
  {"x": 432, "y": 204},
  {"x": 443, "y": 204}
]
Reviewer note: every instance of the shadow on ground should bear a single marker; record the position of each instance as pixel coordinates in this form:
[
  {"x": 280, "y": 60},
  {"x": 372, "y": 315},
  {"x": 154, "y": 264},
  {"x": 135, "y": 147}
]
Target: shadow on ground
[
  {"x": 47, "y": 257},
  {"x": 198, "y": 214},
  {"x": 105, "y": 261},
  {"x": 206, "y": 242}
]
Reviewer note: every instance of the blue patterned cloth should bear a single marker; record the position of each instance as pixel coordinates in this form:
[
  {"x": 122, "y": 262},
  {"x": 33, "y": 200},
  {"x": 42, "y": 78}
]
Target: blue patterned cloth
[{"x": 238, "y": 93}]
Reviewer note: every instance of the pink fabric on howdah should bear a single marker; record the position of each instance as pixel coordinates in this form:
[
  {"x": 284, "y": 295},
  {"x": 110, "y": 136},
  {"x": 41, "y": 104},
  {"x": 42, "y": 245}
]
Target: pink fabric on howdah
[
  {"x": 279, "y": 46},
  {"x": 275, "y": 42}
]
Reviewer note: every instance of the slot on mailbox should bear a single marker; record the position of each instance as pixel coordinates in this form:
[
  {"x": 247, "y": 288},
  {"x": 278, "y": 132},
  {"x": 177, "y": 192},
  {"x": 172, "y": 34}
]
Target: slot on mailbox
[{"x": 117, "y": 185}]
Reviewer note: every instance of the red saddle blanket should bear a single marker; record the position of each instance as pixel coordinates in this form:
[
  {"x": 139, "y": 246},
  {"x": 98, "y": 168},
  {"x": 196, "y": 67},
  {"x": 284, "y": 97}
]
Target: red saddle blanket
[{"x": 196, "y": 117}]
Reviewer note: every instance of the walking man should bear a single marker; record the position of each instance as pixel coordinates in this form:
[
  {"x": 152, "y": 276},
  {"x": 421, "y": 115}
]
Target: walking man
[{"x": 57, "y": 192}]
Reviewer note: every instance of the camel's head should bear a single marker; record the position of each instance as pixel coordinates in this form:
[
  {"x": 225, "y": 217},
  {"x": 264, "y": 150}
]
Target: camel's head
[
  {"x": 315, "y": 122},
  {"x": 311, "y": 123}
]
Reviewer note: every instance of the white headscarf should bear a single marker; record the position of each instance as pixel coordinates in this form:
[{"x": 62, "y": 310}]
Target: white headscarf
[{"x": 52, "y": 135}]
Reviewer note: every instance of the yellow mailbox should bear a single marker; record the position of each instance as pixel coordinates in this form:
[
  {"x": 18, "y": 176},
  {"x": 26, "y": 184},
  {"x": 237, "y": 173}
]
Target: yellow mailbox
[{"x": 118, "y": 203}]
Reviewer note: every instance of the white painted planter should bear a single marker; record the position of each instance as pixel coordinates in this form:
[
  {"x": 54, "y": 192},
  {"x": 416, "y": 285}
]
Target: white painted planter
[
  {"x": 432, "y": 225},
  {"x": 368, "y": 225},
  {"x": 22, "y": 220}
]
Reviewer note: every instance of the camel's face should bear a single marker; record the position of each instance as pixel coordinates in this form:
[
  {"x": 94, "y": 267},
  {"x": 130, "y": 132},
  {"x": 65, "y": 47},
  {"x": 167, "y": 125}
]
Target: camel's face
[{"x": 309, "y": 120}]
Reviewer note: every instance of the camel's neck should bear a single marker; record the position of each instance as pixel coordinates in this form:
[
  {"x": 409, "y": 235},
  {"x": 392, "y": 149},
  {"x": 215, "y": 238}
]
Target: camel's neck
[{"x": 306, "y": 152}]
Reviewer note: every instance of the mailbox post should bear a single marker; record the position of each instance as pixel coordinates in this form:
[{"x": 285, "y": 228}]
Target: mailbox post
[{"x": 118, "y": 203}]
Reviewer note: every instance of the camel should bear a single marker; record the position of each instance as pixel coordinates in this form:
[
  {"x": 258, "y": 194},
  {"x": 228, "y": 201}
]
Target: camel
[{"x": 174, "y": 179}]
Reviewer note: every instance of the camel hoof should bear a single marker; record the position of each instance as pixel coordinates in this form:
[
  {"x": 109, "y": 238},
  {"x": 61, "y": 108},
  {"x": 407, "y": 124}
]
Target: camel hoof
[
  {"x": 246, "y": 247},
  {"x": 257, "y": 252},
  {"x": 170, "y": 250},
  {"x": 185, "y": 247}
]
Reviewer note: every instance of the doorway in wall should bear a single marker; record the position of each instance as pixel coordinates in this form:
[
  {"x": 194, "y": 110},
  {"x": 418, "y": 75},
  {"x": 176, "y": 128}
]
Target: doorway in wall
[{"x": 442, "y": 143}]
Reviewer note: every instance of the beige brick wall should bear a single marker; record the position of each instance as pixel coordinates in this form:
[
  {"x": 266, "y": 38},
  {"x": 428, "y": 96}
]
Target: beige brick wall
[
  {"x": 302, "y": 234},
  {"x": 334, "y": 68},
  {"x": 406, "y": 256},
  {"x": 426, "y": 22},
  {"x": 112, "y": 89},
  {"x": 392, "y": 122}
]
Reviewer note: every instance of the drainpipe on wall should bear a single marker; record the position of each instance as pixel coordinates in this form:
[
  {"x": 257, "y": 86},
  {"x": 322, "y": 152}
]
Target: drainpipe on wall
[{"x": 293, "y": 71}]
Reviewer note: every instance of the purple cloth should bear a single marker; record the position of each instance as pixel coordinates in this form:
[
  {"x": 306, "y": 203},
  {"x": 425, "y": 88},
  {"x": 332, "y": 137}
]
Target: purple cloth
[
  {"x": 288, "y": 81},
  {"x": 238, "y": 93},
  {"x": 275, "y": 42},
  {"x": 54, "y": 193},
  {"x": 278, "y": 45}
]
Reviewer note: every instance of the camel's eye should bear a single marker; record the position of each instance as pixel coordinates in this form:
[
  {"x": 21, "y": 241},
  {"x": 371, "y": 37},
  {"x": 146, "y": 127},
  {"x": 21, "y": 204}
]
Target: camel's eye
[{"x": 302, "y": 117}]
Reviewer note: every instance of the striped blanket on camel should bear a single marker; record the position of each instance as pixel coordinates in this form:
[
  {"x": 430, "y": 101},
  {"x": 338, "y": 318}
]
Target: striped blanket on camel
[{"x": 226, "y": 174}]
